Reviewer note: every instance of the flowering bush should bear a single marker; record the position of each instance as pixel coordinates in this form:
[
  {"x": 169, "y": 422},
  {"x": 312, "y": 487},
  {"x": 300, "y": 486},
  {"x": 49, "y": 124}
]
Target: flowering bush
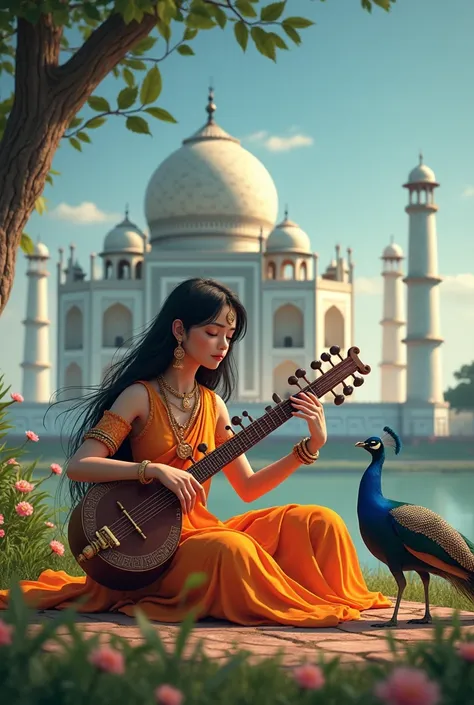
[
  {"x": 56, "y": 662},
  {"x": 28, "y": 543}
]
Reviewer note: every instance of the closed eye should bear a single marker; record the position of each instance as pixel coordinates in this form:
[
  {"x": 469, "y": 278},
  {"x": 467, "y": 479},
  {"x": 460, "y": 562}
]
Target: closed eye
[{"x": 214, "y": 335}]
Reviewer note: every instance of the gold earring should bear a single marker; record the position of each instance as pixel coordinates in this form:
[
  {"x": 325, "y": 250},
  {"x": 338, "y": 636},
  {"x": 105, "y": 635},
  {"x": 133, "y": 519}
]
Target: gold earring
[{"x": 178, "y": 356}]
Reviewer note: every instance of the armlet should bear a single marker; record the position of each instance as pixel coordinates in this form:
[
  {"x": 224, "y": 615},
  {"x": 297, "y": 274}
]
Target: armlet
[{"x": 111, "y": 430}]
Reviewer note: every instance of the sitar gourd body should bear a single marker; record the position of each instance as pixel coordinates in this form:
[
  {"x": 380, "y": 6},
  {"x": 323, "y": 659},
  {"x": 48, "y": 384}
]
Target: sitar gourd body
[{"x": 124, "y": 534}]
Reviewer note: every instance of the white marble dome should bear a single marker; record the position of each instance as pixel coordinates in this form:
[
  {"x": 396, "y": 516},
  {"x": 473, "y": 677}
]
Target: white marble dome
[
  {"x": 211, "y": 186},
  {"x": 288, "y": 237},
  {"x": 125, "y": 237},
  {"x": 392, "y": 251},
  {"x": 421, "y": 174},
  {"x": 40, "y": 250}
]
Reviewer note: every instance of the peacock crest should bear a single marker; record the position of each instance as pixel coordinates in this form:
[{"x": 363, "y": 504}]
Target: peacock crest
[{"x": 390, "y": 438}]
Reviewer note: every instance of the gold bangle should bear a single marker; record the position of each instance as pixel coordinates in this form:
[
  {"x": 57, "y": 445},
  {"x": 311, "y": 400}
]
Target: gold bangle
[
  {"x": 141, "y": 472},
  {"x": 299, "y": 454},
  {"x": 313, "y": 456},
  {"x": 302, "y": 453}
]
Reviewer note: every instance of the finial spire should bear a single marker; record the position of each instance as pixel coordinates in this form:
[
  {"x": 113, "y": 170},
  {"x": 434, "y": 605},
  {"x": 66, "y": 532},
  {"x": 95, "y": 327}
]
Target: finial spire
[
  {"x": 286, "y": 212},
  {"x": 126, "y": 211},
  {"x": 210, "y": 108},
  {"x": 392, "y": 239},
  {"x": 421, "y": 157}
]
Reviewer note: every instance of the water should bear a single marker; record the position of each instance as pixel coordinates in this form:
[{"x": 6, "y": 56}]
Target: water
[{"x": 447, "y": 493}]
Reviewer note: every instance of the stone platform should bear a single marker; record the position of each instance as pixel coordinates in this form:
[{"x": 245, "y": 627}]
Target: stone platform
[{"x": 353, "y": 642}]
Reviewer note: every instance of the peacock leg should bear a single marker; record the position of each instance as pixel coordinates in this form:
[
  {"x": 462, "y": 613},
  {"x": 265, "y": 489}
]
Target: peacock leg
[
  {"x": 426, "y": 619},
  {"x": 402, "y": 583}
]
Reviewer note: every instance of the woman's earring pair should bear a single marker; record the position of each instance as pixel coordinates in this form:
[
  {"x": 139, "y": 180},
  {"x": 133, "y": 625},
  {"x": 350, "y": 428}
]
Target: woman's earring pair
[{"x": 178, "y": 356}]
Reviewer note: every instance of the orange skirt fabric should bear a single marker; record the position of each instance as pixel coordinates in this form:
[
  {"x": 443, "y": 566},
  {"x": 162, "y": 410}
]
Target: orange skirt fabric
[{"x": 294, "y": 565}]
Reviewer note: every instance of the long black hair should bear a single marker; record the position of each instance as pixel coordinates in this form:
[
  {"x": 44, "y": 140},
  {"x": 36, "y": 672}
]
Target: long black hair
[{"x": 196, "y": 302}]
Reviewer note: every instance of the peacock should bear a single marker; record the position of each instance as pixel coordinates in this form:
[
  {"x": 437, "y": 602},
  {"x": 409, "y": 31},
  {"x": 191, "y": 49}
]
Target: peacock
[{"x": 408, "y": 537}]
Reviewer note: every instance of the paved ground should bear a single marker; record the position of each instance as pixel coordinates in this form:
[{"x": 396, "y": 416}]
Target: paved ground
[{"x": 353, "y": 642}]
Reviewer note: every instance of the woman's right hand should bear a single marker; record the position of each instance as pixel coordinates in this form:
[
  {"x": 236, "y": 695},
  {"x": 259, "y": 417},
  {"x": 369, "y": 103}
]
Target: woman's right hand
[{"x": 180, "y": 482}]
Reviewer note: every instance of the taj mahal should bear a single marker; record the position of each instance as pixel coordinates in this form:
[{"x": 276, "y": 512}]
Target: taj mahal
[{"x": 212, "y": 211}]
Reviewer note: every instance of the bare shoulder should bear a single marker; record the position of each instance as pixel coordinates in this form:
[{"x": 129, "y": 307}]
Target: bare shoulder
[
  {"x": 221, "y": 407},
  {"x": 132, "y": 403}
]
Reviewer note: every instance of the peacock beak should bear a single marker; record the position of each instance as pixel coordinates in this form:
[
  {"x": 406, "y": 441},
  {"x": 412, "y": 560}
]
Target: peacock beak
[{"x": 360, "y": 444}]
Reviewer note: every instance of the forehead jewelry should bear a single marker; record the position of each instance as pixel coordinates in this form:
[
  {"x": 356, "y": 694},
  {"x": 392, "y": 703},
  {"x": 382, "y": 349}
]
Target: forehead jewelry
[{"x": 230, "y": 318}]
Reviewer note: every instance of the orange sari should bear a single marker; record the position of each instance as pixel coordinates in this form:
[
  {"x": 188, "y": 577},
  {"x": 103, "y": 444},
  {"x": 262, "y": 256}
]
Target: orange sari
[{"x": 293, "y": 565}]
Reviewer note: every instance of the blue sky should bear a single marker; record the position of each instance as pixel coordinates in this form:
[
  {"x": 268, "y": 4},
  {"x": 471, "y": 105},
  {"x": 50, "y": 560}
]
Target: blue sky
[{"x": 351, "y": 107}]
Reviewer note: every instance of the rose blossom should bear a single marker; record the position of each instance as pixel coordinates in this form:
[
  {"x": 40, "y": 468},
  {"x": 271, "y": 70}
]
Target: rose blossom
[
  {"x": 107, "y": 659},
  {"x": 57, "y": 547},
  {"x": 408, "y": 686},
  {"x": 2, "y": 533},
  {"x": 32, "y": 436},
  {"x": 309, "y": 676},
  {"x": 55, "y": 468},
  {"x": 12, "y": 461},
  {"x": 17, "y": 397},
  {"x": 5, "y": 633},
  {"x": 168, "y": 695},
  {"x": 49, "y": 524},
  {"x": 466, "y": 651},
  {"x": 2, "y": 519},
  {"x": 24, "y": 486},
  {"x": 24, "y": 509}
]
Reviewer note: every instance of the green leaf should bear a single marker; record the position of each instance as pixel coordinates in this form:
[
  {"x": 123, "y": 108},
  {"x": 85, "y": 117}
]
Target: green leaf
[
  {"x": 128, "y": 77},
  {"x": 75, "y": 122},
  {"x": 135, "y": 123},
  {"x": 151, "y": 86},
  {"x": 101, "y": 105},
  {"x": 95, "y": 123},
  {"x": 189, "y": 33},
  {"x": 144, "y": 45},
  {"x": 264, "y": 42},
  {"x": 40, "y": 205},
  {"x": 272, "y": 12},
  {"x": 127, "y": 97},
  {"x": 75, "y": 143},
  {"x": 185, "y": 50},
  {"x": 26, "y": 244},
  {"x": 160, "y": 114},
  {"x": 219, "y": 15},
  {"x": 135, "y": 64},
  {"x": 199, "y": 22},
  {"x": 292, "y": 33},
  {"x": 84, "y": 137},
  {"x": 245, "y": 8},
  {"x": 193, "y": 581},
  {"x": 164, "y": 29},
  {"x": 241, "y": 34},
  {"x": 279, "y": 42},
  {"x": 297, "y": 22},
  {"x": 91, "y": 11}
]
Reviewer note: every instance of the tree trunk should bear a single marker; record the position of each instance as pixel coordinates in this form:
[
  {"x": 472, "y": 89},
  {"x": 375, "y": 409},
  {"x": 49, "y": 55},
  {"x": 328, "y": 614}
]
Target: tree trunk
[{"x": 47, "y": 97}]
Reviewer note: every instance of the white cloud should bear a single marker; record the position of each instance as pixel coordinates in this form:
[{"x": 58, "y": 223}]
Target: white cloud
[
  {"x": 83, "y": 214},
  {"x": 468, "y": 192},
  {"x": 368, "y": 285},
  {"x": 277, "y": 143}
]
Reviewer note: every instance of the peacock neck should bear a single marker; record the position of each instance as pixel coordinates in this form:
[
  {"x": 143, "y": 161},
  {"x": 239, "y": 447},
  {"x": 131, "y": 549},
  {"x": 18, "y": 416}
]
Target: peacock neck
[{"x": 371, "y": 483}]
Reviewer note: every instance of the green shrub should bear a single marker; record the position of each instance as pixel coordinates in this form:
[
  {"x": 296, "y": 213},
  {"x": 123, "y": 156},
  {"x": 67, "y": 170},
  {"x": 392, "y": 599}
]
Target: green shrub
[{"x": 29, "y": 539}]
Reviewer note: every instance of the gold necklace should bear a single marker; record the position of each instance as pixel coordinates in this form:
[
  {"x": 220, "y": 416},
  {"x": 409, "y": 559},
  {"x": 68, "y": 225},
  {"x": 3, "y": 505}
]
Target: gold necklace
[
  {"x": 183, "y": 450},
  {"x": 184, "y": 396}
]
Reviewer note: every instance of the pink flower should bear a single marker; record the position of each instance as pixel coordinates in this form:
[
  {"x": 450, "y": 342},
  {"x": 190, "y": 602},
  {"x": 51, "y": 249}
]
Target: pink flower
[
  {"x": 408, "y": 686},
  {"x": 2, "y": 519},
  {"x": 49, "y": 524},
  {"x": 309, "y": 677},
  {"x": 466, "y": 651},
  {"x": 5, "y": 633},
  {"x": 57, "y": 547},
  {"x": 107, "y": 659},
  {"x": 168, "y": 695},
  {"x": 24, "y": 509},
  {"x": 32, "y": 436},
  {"x": 17, "y": 397},
  {"x": 2, "y": 533},
  {"x": 12, "y": 461},
  {"x": 24, "y": 486},
  {"x": 57, "y": 469}
]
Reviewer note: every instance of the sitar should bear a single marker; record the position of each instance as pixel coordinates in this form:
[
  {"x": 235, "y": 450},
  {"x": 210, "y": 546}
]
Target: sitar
[{"x": 124, "y": 534}]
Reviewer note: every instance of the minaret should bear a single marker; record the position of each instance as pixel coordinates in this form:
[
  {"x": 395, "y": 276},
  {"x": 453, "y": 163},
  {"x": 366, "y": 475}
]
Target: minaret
[
  {"x": 36, "y": 362},
  {"x": 393, "y": 367},
  {"x": 423, "y": 340}
]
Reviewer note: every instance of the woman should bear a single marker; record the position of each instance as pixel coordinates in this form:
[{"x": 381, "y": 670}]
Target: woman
[{"x": 292, "y": 565}]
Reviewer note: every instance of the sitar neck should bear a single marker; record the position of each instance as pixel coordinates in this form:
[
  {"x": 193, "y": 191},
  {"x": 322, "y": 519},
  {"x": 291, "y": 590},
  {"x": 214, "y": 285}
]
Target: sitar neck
[{"x": 262, "y": 427}]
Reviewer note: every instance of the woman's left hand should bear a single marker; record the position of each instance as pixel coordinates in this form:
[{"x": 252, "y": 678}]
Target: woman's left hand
[{"x": 309, "y": 408}]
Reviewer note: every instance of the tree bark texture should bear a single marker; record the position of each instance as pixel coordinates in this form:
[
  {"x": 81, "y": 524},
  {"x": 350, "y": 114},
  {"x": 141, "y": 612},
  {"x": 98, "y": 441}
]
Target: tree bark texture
[{"x": 47, "y": 97}]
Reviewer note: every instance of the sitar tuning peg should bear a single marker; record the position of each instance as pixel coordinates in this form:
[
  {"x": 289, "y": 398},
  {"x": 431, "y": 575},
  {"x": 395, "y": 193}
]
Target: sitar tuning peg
[
  {"x": 338, "y": 398},
  {"x": 326, "y": 357},
  {"x": 336, "y": 350},
  {"x": 316, "y": 365},
  {"x": 247, "y": 415},
  {"x": 358, "y": 381},
  {"x": 294, "y": 380},
  {"x": 347, "y": 389},
  {"x": 229, "y": 428},
  {"x": 202, "y": 448},
  {"x": 276, "y": 398},
  {"x": 301, "y": 374},
  {"x": 268, "y": 408},
  {"x": 237, "y": 421}
]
